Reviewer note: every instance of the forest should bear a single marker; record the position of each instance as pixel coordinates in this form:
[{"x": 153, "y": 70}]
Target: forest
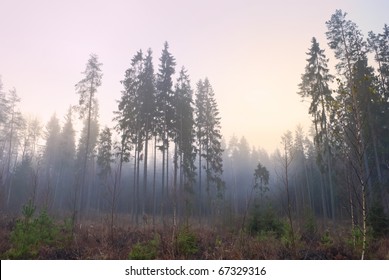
[{"x": 161, "y": 182}]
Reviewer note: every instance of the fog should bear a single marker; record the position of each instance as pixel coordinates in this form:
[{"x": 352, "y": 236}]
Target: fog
[
  {"x": 252, "y": 51},
  {"x": 160, "y": 113}
]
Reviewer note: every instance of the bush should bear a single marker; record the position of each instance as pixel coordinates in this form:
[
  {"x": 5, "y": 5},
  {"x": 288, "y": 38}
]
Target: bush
[
  {"x": 146, "y": 250},
  {"x": 31, "y": 234},
  {"x": 309, "y": 229},
  {"x": 264, "y": 223},
  {"x": 326, "y": 239},
  {"x": 187, "y": 244},
  {"x": 378, "y": 221}
]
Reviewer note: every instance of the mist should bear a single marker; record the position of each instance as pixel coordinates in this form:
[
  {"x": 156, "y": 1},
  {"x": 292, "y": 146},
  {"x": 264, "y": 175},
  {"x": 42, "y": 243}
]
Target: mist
[{"x": 251, "y": 123}]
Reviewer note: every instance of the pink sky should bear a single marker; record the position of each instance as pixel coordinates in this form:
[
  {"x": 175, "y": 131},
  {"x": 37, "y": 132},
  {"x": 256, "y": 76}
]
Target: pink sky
[{"x": 253, "y": 52}]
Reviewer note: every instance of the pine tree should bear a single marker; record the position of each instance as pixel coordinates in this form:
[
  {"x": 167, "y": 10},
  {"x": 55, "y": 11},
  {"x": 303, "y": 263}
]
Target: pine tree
[
  {"x": 350, "y": 49},
  {"x": 315, "y": 86},
  {"x": 104, "y": 154},
  {"x": 184, "y": 137},
  {"x": 148, "y": 112},
  {"x": 207, "y": 123},
  {"x": 165, "y": 112},
  {"x": 129, "y": 120},
  {"x": 87, "y": 89},
  {"x": 15, "y": 124},
  {"x": 67, "y": 155},
  {"x": 51, "y": 156}
]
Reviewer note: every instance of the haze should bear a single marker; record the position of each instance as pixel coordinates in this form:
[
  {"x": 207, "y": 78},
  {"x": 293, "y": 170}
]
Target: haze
[{"x": 253, "y": 53}]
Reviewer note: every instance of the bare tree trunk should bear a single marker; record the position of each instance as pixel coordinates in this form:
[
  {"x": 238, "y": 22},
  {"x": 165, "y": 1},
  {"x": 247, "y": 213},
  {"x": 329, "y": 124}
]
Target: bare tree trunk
[{"x": 154, "y": 179}]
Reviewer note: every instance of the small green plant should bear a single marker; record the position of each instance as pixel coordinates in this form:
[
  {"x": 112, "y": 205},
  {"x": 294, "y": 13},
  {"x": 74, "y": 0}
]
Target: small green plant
[
  {"x": 378, "y": 221},
  {"x": 356, "y": 239},
  {"x": 326, "y": 239},
  {"x": 146, "y": 250},
  {"x": 30, "y": 234},
  {"x": 187, "y": 244},
  {"x": 265, "y": 222},
  {"x": 309, "y": 228}
]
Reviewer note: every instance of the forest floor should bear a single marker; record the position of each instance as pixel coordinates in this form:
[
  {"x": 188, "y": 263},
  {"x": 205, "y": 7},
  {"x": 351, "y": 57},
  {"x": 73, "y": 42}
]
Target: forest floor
[{"x": 94, "y": 240}]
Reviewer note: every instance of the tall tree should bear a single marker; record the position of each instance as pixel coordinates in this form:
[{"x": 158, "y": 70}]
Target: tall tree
[
  {"x": 165, "y": 111},
  {"x": 350, "y": 49},
  {"x": 129, "y": 121},
  {"x": 51, "y": 158},
  {"x": 87, "y": 89},
  {"x": 315, "y": 86},
  {"x": 67, "y": 155},
  {"x": 147, "y": 117},
  {"x": 209, "y": 138},
  {"x": 184, "y": 137},
  {"x": 287, "y": 157},
  {"x": 15, "y": 124}
]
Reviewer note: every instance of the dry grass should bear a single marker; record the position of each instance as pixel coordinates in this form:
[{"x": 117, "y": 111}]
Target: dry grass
[{"x": 92, "y": 240}]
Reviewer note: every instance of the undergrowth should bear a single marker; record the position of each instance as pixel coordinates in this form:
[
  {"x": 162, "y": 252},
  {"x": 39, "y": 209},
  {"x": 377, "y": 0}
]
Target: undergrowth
[{"x": 32, "y": 233}]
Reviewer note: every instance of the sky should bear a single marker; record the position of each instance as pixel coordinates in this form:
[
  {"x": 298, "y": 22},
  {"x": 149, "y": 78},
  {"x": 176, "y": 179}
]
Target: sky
[{"x": 253, "y": 52}]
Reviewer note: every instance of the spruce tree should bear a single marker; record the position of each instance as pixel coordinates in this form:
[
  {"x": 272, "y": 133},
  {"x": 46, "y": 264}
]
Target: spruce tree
[
  {"x": 184, "y": 137},
  {"x": 208, "y": 132},
  {"x": 129, "y": 117},
  {"x": 87, "y": 89},
  {"x": 315, "y": 86},
  {"x": 165, "y": 112}
]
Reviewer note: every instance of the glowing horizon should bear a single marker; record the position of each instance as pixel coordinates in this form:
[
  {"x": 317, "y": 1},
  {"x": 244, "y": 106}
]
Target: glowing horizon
[{"x": 253, "y": 53}]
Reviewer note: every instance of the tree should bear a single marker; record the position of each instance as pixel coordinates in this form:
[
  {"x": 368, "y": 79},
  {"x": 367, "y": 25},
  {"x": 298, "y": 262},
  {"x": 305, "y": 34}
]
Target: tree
[
  {"x": 147, "y": 116},
  {"x": 67, "y": 155},
  {"x": 87, "y": 89},
  {"x": 13, "y": 128},
  {"x": 52, "y": 146},
  {"x": 184, "y": 137},
  {"x": 105, "y": 159},
  {"x": 209, "y": 138},
  {"x": 315, "y": 86},
  {"x": 51, "y": 158},
  {"x": 87, "y": 146},
  {"x": 104, "y": 154},
  {"x": 261, "y": 179},
  {"x": 287, "y": 157},
  {"x": 3, "y": 105},
  {"x": 379, "y": 46},
  {"x": 129, "y": 117},
  {"x": 165, "y": 111},
  {"x": 350, "y": 49}
]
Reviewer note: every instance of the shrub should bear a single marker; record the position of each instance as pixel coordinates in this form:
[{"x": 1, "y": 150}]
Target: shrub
[
  {"x": 265, "y": 222},
  {"x": 29, "y": 234},
  {"x": 146, "y": 250},
  {"x": 309, "y": 229},
  {"x": 378, "y": 221},
  {"x": 326, "y": 239},
  {"x": 187, "y": 244}
]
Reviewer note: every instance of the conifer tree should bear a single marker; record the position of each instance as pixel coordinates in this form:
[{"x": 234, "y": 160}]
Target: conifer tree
[
  {"x": 129, "y": 117},
  {"x": 207, "y": 123},
  {"x": 165, "y": 112},
  {"x": 67, "y": 155},
  {"x": 350, "y": 49},
  {"x": 315, "y": 86},
  {"x": 184, "y": 137},
  {"x": 87, "y": 89}
]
